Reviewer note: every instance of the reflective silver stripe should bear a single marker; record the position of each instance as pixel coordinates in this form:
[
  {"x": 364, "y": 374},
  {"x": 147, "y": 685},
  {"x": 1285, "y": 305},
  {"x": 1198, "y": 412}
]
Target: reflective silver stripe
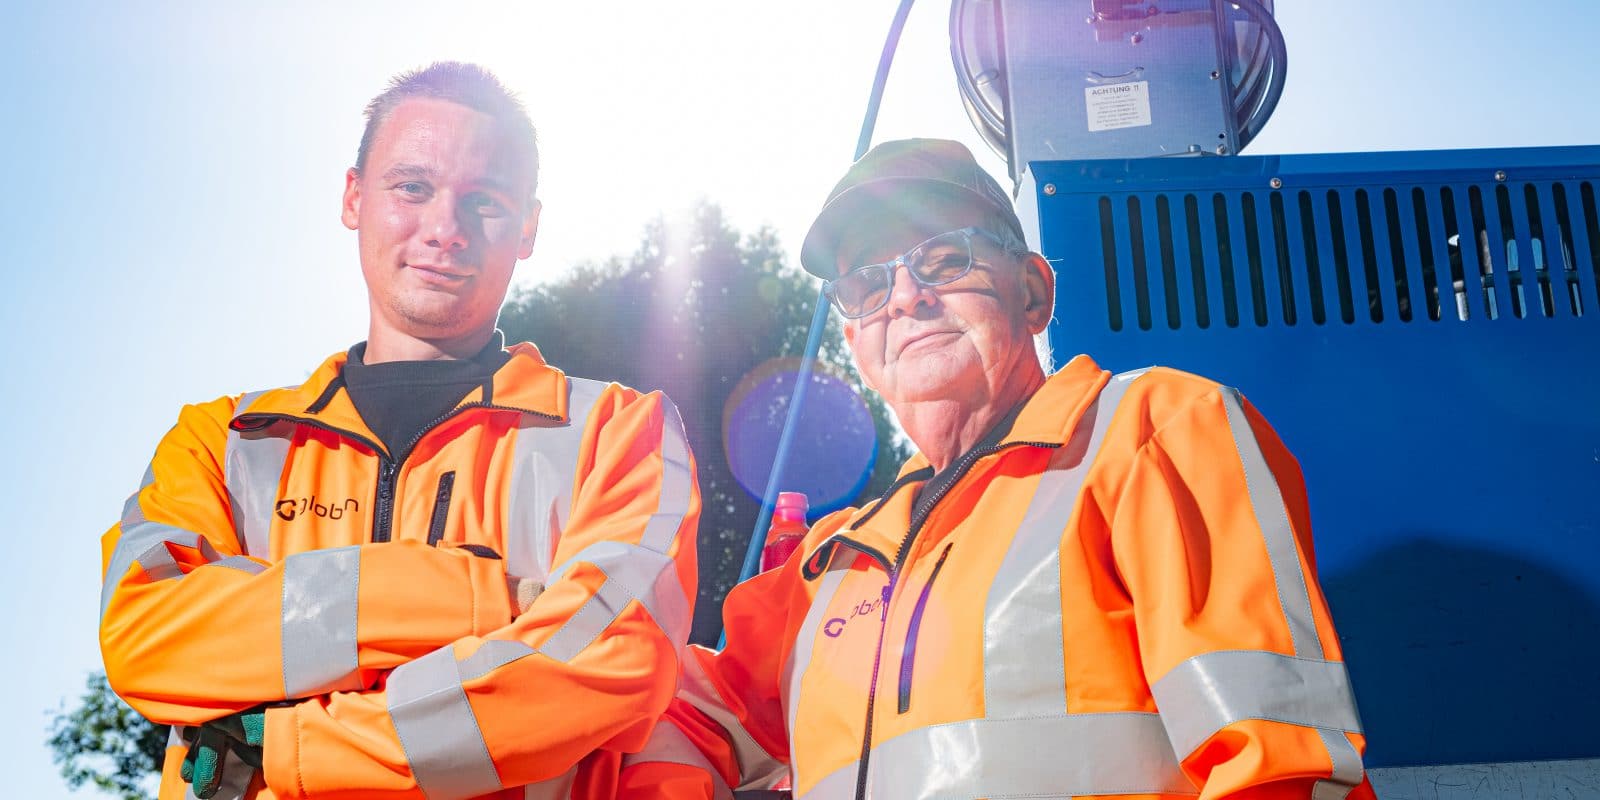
[
  {"x": 1347, "y": 767},
  {"x": 1024, "y": 661},
  {"x": 544, "y": 467},
  {"x": 800, "y": 657},
  {"x": 241, "y": 563},
  {"x": 676, "y": 480},
  {"x": 557, "y": 788},
  {"x": 319, "y": 621},
  {"x": 1326, "y": 698},
  {"x": 1213, "y": 690},
  {"x": 145, "y": 543},
  {"x": 1273, "y": 517},
  {"x": 438, "y": 729},
  {"x": 668, "y": 745},
  {"x": 253, "y": 464},
  {"x": 491, "y": 655},
  {"x": 585, "y": 624},
  {"x": 1040, "y": 757},
  {"x": 133, "y": 526},
  {"x": 647, "y": 575},
  {"x": 757, "y": 767}
]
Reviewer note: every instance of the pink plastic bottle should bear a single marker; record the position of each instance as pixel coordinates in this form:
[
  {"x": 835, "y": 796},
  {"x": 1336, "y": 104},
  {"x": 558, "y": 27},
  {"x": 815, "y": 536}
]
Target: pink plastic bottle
[{"x": 788, "y": 529}]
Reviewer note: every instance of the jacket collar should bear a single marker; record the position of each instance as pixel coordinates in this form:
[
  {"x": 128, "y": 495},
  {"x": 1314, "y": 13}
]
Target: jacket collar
[
  {"x": 525, "y": 383},
  {"x": 1047, "y": 419}
]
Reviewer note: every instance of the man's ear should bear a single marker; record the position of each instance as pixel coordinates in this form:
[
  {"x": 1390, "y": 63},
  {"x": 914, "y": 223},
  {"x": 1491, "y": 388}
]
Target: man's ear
[
  {"x": 350, "y": 210},
  {"x": 1039, "y": 292},
  {"x": 530, "y": 229},
  {"x": 849, "y": 328}
]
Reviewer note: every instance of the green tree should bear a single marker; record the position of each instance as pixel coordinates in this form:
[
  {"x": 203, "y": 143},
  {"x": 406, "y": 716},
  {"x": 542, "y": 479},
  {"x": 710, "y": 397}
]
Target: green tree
[
  {"x": 105, "y": 743},
  {"x": 692, "y": 312}
]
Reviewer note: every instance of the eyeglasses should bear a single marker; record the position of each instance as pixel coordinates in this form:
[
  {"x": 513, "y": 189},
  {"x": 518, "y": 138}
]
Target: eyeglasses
[{"x": 942, "y": 260}]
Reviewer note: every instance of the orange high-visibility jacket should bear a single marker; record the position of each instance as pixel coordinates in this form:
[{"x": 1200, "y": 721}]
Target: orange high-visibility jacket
[
  {"x": 276, "y": 553},
  {"x": 1118, "y": 598}
]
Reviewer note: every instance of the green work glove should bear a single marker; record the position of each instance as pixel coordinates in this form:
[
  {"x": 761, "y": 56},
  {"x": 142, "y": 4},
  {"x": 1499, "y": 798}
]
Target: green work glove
[{"x": 209, "y": 745}]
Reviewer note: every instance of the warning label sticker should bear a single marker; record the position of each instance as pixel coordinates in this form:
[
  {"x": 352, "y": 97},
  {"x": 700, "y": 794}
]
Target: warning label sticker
[{"x": 1120, "y": 105}]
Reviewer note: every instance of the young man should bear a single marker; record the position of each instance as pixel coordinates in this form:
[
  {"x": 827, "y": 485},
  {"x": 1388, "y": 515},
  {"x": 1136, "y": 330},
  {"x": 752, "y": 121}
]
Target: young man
[
  {"x": 438, "y": 568},
  {"x": 1082, "y": 584}
]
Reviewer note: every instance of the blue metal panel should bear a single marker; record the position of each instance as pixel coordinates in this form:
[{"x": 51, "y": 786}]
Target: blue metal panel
[{"x": 1453, "y": 463}]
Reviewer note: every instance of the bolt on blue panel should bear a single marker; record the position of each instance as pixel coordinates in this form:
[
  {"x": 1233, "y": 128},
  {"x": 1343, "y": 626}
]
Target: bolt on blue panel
[{"x": 1423, "y": 330}]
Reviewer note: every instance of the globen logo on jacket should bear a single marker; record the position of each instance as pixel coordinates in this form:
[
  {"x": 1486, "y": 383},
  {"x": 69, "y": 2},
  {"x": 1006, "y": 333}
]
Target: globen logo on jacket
[{"x": 291, "y": 508}]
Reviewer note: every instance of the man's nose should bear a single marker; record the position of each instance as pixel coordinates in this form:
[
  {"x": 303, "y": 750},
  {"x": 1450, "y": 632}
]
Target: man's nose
[
  {"x": 905, "y": 294},
  {"x": 442, "y": 225}
]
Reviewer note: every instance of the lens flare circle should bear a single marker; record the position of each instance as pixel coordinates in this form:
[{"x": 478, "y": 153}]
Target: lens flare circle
[{"x": 833, "y": 447}]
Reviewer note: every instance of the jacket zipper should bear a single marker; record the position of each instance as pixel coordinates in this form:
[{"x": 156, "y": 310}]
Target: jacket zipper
[
  {"x": 441, "y": 507},
  {"x": 908, "y": 653},
  {"x": 919, "y": 516},
  {"x": 389, "y": 468}
]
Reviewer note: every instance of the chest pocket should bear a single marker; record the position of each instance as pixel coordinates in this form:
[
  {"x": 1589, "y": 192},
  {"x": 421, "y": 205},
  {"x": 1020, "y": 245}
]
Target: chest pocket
[{"x": 544, "y": 467}]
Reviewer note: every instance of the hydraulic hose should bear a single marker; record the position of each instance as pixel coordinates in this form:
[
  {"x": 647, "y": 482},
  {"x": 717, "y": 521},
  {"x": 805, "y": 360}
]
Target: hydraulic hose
[{"x": 1264, "y": 92}]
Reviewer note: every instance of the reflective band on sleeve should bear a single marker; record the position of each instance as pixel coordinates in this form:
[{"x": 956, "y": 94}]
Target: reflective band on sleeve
[
  {"x": 545, "y": 465},
  {"x": 676, "y": 480},
  {"x": 253, "y": 468},
  {"x": 1085, "y": 754},
  {"x": 490, "y": 656},
  {"x": 645, "y": 574},
  {"x": 800, "y": 657},
  {"x": 132, "y": 512},
  {"x": 1347, "y": 768},
  {"x": 757, "y": 767},
  {"x": 145, "y": 543},
  {"x": 319, "y": 621},
  {"x": 557, "y": 788},
  {"x": 668, "y": 745},
  {"x": 438, "y": 729},
  {"x": 1024, "y": 662},
  {"x": 1267, "y": 501},
  {"x": 242, "y": 564},
  {"x": 1210, "y": 691},
  {"x": 585, "y": 625}
]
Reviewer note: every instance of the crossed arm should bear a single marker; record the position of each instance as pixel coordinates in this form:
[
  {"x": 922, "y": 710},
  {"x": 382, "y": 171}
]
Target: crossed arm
[{"x": 191, "y": 630}]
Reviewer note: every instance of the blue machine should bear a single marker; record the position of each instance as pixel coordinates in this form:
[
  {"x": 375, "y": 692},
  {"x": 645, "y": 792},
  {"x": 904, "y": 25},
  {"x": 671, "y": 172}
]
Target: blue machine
[{"x": 1423, "y": 330}]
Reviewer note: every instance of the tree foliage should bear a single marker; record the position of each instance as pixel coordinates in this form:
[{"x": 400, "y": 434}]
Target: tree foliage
[
  {"x": 105, "y": 743},
  {"x": 691, "y": 312}
]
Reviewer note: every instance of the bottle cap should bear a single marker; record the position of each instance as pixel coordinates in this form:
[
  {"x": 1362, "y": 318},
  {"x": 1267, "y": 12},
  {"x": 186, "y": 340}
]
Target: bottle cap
[{"x": 791, "y": 506}]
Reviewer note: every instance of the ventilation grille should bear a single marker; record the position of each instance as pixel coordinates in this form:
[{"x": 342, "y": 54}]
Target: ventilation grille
[{"x": 1338, "y": 256}]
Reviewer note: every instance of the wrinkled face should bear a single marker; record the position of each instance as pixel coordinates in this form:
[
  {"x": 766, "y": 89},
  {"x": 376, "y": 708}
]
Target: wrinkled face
[
  {"x": 956, "y": 341},
  {"x": 443, "y": 213}
]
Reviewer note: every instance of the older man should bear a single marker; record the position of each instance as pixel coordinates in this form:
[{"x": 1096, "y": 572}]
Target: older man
[
  {"x": 1082, "y": 584},
  {"x": 439, "y": 568}
]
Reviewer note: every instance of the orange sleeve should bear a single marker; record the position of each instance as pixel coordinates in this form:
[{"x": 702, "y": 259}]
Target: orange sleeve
[
  {"x": 1211, "y": 533},
  {"x": 191, "y": 630},
  {"x": 729, "y": 705},
  {"x": 590, "y": 665}
]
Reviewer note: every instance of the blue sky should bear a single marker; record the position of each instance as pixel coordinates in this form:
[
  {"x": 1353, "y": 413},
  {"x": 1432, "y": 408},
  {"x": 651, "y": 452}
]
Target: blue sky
[{"x": 173, "y": 175}]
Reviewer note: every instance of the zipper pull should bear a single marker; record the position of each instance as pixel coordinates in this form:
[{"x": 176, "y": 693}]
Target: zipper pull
[{"x": 883, "y": 607}]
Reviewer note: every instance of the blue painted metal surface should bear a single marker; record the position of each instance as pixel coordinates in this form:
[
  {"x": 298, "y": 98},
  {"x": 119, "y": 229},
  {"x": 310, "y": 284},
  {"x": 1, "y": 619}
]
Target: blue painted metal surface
[{"x": 1453, "y": 463}]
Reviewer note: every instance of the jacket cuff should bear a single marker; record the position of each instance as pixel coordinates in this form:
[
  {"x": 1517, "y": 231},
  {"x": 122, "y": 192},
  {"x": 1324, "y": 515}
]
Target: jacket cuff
[{"x": 280, "y": 752}]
